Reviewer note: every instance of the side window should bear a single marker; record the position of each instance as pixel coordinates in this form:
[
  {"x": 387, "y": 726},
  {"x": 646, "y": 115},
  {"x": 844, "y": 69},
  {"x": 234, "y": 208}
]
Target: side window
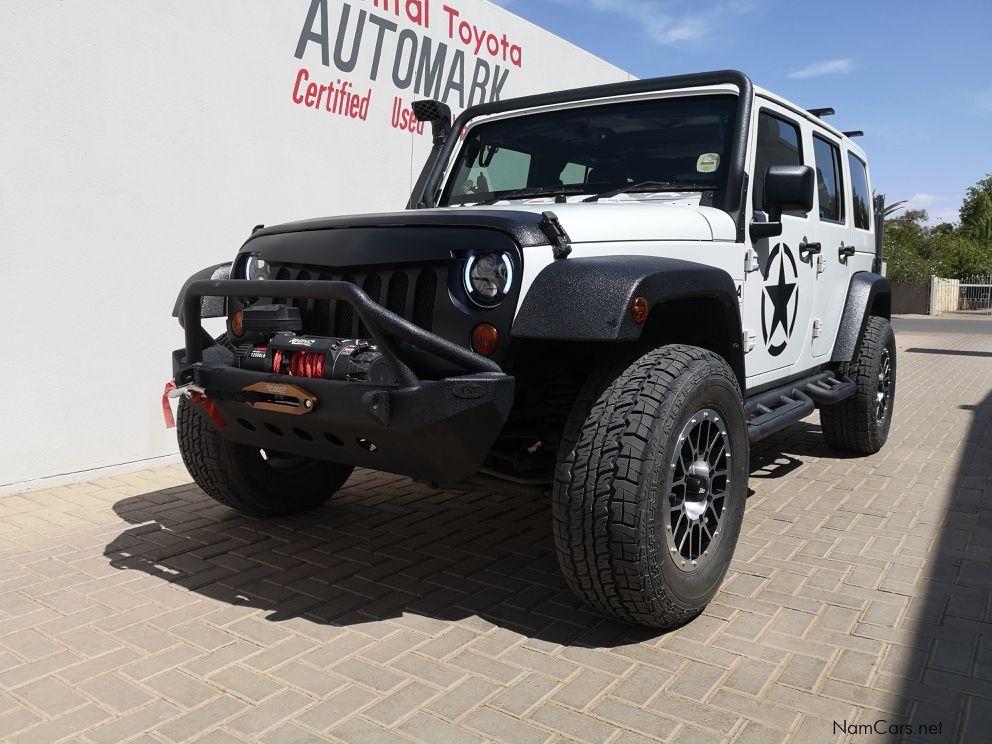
[
  {"x": 859, "y": 187},
  {"x": 778, "y": 144},
  {"x": 828, "y": 180}
]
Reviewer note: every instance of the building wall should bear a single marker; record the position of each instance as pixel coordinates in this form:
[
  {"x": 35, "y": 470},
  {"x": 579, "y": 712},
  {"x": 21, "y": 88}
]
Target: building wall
[{"x": 141, "y": 141}]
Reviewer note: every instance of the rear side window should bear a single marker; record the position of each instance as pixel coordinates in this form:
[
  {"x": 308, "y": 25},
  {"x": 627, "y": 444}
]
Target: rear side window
[
  {"x": 828, "y": 180},
  {"x": 778, "y": 144},
  {"x": 859, "y": 187}
]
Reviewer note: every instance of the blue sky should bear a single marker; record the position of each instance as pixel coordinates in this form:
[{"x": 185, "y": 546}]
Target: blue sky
[{"x": 915, "y": 76}]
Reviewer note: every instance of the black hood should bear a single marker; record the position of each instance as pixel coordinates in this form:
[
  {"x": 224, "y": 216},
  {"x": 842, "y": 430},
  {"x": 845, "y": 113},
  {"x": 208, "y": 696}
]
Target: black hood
[{"x": 522, "y": 226}]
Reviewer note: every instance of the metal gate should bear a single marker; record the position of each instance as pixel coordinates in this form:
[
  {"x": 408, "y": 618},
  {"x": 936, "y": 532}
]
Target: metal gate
[{"x": 975, "y": 295}]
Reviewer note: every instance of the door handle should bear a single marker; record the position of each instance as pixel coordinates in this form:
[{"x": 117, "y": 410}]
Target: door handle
[
  {"x": 810, "y": 248},
  {"x": 845, "y": 252}
]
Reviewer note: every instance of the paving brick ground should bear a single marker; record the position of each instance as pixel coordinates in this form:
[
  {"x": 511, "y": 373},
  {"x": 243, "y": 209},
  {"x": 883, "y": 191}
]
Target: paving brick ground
[{"x": 133, "y": 607}]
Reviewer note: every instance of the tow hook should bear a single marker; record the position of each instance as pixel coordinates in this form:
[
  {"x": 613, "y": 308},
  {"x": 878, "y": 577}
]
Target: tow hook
[
  {"x": 191, "y": 392},
  {"x": 188, "y": 390}
]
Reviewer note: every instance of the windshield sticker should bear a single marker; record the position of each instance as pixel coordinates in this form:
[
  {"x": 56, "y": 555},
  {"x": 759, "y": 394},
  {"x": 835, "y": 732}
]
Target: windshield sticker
[{"x": 707, "y": 162}]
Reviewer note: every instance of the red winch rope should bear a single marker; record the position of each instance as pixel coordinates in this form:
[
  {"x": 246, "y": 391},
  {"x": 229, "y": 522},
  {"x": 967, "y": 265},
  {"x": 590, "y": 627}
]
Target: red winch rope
[
  {"x": 307, "y": 364},
  {"x": 301, "y": 363},
  {"x": 211, "y": 409}
]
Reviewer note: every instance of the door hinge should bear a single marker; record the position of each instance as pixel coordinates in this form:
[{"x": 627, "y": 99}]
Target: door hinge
[
  {"x": 821, "y": 264},
  {"x": 751, "y": 262},
  {"x": 748, "y": 337},
  {"x": 817, "y": 327}
]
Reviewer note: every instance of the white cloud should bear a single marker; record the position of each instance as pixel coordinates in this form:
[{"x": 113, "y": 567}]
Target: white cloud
[
  {"x": 827, "y": 67},
  {"x": 921, "y": 201},
  {"x": 666, "y": 22},
  {"x": 936, "y": 214},
  {"x": 669, "y": 30},
  {"x": 944, "y": 215}
]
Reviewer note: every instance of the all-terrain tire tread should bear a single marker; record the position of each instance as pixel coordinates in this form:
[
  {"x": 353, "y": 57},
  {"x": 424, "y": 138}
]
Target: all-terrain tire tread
[
  {"x": 602, "y": 459},
  {"x": 199, "y": 446},
  {"x": 218, "y": 467},
  {"x": 850, "y": 425}
]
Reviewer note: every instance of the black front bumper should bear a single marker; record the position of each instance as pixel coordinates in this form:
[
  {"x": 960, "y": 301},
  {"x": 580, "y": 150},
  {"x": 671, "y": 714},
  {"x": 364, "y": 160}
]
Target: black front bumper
[{"x": 438, "y": 430}]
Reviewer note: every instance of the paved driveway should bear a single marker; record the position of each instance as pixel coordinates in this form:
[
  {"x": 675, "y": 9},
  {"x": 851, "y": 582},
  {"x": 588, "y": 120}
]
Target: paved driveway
[{"x": 133, "y": 606}]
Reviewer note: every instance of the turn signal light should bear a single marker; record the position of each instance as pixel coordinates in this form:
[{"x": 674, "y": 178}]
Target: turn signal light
[
  {"x": 238, "y": 324},
  {"x": 639, "y": 309},
  {"x": 485, "y": 339}
]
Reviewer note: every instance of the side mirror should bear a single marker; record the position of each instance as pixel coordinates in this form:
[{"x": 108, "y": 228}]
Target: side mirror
[
  {"x": 788, "y": 188},
  {"x": 438, "y": 114}
]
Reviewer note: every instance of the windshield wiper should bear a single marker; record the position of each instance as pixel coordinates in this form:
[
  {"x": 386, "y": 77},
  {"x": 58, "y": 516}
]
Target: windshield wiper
[
  {"x": 533, "y": 191},
  {"x": 653, "y": 186}
]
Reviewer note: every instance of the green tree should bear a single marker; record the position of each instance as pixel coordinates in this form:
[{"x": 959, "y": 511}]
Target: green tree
[
  {"x": 915, "y": 251},
  {"x": 964, "y": 257},
  {"x": 976, "y": 211},
  {"x": 916, "y": 217},
  {"x": 907, "y": 250},
  {"x": 889, "y": 208}
]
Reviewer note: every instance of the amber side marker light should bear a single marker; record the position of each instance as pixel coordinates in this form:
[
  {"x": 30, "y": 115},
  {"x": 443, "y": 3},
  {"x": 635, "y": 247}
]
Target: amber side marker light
[
  {"x": 238, "y": 324},
  {"x": 485, "y": 339},
  {"x": 639, "y": 309}
]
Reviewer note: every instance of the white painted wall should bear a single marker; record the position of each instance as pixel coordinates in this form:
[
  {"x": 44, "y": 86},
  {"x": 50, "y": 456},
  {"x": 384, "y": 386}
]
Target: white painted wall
[{"x": 141, "y": 141}]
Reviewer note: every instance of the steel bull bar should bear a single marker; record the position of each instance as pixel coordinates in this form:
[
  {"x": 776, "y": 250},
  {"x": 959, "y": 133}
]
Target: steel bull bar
[
  {"x": 383, "y": 324},
  {"x": 439, "y": 430}
]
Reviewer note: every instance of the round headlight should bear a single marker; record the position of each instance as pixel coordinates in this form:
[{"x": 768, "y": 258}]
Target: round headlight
[
  {"x": 488, "y": 277},
  {"x": 257, "y": 268}
]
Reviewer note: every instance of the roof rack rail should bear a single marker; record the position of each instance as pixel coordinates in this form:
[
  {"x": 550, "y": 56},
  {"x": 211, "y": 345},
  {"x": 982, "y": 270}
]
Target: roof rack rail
[
  {"x": 854, "y": 133},
  {"x": 821, "y": 112}
]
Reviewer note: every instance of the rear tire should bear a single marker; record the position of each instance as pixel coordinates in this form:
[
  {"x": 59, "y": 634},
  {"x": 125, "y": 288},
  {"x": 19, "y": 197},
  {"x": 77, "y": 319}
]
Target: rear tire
[
  {"x": 861, "y": 423},
  {"x": 636, "y": 536},
  {"x": 239, "y": 477}
]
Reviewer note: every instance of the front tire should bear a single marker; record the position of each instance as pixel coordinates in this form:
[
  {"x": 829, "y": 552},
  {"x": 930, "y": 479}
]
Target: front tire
[
  {"x": 861, "y": 423},
  {"x": 650, "y": 486},
  {"x": 242, "y": 478}
]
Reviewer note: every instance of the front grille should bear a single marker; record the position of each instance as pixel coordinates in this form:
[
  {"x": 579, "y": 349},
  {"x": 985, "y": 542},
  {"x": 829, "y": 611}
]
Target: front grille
[{"x": 410, "y": 292}]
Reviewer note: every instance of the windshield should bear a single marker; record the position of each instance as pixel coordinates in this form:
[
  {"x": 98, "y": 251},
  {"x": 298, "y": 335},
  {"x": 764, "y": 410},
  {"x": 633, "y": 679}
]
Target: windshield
[{"x": 675, "y": 144}]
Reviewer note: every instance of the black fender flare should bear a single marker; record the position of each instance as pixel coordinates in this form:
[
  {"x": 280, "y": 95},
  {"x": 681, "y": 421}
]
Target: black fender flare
[
  {"x": 212, "y": 307},
  {"x": 589, "y": 299},
  {"x": 868, "y": 294}
]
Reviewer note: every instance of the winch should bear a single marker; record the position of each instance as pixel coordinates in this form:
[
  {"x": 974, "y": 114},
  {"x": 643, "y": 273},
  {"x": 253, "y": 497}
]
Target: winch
[
  {"x": 274, "y": 343},
  {"x": 353, "y": 360}
]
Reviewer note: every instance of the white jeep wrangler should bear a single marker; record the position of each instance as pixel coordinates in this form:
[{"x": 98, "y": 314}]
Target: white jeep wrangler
[{"x": 605, "y": 293}]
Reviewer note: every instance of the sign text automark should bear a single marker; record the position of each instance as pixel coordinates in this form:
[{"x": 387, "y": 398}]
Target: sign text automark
[{"x": 432, "y": 50}]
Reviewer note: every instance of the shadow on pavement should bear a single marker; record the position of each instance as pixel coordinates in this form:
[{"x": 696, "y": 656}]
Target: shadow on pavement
[
  {"x": 784, "y": 452},
  {"x": 951, "y": 352},
  {"x": 384, "y": 546},
  {"x": 948, "y": 674},
  {"x": 381, "y": 547}
]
